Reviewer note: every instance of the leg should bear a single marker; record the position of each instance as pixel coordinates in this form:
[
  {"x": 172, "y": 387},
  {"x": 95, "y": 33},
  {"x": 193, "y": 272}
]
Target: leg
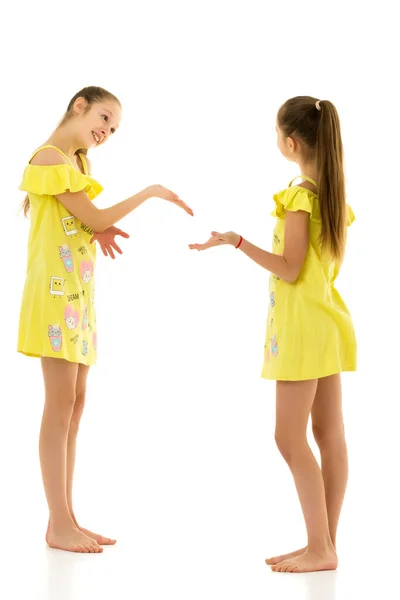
[
  {"x": 80, "y": 396},
  {"x": 60, "y": 380},
  {"x": 328, "y": 429},
  {"x": 294, "y": 403},
  {"x": 79, "y": 405}
]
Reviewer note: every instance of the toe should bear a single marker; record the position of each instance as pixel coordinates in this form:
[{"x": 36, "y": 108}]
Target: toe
[
  {"x": 274, "y": 560},
  {"x": 290, "y": 569}
]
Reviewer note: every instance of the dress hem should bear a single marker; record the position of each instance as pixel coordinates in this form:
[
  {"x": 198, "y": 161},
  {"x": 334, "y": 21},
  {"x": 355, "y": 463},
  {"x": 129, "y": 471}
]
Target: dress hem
[
  {"x": 45, "y": 355},
  {"x": 310, "y": 377}
]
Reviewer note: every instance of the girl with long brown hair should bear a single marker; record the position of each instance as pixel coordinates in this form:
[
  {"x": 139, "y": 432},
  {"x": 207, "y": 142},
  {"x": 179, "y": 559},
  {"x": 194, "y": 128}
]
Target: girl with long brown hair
[
  {"x": 310, "y": 338},
  {"x": 58, "y": 319}
]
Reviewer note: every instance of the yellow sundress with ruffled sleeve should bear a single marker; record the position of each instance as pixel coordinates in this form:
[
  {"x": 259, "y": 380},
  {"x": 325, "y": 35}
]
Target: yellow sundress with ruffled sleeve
[
  {"x": 58, "y": 316},
  {"x": 310, "y": 332}
]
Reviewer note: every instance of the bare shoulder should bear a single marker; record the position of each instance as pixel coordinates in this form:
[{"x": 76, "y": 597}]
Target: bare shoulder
[
  {"x": 308, "y": 186},
  {"x": 47, "y": 157}
]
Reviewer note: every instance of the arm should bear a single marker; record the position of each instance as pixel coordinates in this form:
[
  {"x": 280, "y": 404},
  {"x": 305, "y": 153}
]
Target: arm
[
  {"x": 288, "y": 266},
  {"x": 80, "y": 206}
]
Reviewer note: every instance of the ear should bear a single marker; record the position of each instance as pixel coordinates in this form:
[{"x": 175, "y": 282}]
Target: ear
[
  {"x": 80, "y": 106},
  {"x": 291, "y": 144}
]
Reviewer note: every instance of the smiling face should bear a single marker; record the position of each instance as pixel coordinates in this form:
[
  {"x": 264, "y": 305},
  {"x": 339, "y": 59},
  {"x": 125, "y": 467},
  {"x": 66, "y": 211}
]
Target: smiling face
[{"x": 97, "y": 122}]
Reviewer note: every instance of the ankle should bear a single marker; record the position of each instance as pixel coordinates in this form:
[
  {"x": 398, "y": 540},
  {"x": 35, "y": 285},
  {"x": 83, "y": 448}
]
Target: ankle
[
  {"x": 321, "y": 546},
  {"x": 61, "y": 522}
]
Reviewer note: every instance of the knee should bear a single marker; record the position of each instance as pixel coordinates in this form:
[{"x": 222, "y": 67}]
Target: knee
[
  {"x": 328, "y": 436},
  {"x": 59, "y": 407},
  {"x": 289, "y": 445},
  {"x": 79, "y": 405}
]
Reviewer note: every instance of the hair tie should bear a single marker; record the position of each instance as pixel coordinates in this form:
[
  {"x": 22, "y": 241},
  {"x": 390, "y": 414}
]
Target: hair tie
[{"x": 318, "y": 104}]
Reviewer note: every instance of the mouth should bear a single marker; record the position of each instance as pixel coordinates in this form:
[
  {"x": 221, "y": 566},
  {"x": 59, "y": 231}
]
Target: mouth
[{"x": 96, "y": 137}]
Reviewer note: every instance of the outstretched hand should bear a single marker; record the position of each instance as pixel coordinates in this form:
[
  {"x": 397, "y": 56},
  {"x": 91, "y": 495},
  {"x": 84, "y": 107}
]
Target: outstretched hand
[
  {"x": 218, "y": 239},
  {"x": 107, "y": 242},
  {"x": 159, "y": 191}
]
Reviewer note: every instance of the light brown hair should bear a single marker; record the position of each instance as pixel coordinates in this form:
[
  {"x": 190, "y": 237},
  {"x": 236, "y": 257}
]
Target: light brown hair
[
  {"x": 319, "y": 133},
  {"x": 92, "y": 95}
]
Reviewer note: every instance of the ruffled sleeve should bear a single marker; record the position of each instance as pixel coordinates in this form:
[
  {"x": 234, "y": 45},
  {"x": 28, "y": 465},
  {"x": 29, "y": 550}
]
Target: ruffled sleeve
[
  {"x": 350, "y": 216},
  {"x": 294, "y": 199},
  {"x": 57, "y": 179}
]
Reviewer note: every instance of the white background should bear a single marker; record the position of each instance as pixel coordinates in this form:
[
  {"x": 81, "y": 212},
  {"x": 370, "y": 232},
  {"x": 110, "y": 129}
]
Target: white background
[{"x": 176, "y": 454}]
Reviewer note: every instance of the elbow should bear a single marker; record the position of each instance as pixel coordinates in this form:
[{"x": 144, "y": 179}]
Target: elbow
[{"x": 292, "y": 276}]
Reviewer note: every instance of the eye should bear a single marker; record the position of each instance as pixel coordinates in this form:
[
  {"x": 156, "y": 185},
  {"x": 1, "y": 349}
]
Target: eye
[{"x": 105, "y": 117}]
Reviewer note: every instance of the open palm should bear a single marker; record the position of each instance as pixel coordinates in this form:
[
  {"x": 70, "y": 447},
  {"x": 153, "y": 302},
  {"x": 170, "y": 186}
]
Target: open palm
[
  {"x": 107, "y": 242},
  {"x": 217, "y": 239}
]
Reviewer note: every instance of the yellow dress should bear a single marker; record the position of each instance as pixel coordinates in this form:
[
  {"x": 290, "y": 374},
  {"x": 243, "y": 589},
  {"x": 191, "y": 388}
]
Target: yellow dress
[
  {"x": 58, "y": 317},
  {"x": 309, "y": 329}
]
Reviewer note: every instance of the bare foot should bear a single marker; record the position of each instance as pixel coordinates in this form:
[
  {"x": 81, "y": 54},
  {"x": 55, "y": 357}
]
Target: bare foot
[
  {"x": 100, "y": 539},
  {"x": 307, "y": 562},
  {"x": 71, "y": 539},
  {"x": 277, "y": 559}
]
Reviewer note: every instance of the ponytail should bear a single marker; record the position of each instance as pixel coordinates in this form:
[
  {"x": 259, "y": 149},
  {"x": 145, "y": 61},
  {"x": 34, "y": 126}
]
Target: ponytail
[
  {"x": 331, "y": 181},
  {"x": 315, "y": 123}
]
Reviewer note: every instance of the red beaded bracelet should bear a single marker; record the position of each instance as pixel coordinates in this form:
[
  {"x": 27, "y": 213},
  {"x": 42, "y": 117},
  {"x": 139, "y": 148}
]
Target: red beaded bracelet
[{"x": 240, "y": 241}]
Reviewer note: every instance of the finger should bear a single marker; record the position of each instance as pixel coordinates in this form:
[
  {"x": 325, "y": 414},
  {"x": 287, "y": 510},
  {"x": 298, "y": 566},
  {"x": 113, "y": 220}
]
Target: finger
[
  {"x": 122, "y": 233},
  {"x": 116, "y": 247},
  {"x": 185, "y": 207},
  {"x": 103, "y": 249},
  {"x": 110, "y": 252},
  {"x": 208, "y": 244}
]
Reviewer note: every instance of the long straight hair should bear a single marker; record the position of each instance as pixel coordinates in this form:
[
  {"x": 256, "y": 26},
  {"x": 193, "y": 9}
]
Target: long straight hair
[{"x": 316, "y": 125}]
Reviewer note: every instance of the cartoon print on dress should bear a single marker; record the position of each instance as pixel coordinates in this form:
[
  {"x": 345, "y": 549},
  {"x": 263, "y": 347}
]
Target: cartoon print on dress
[
  {"x": 66, "y": 257},
  {"x": 55, "y": 335},
  {"x": 267, "y": 355},
  {"x": 84, "y": 318},
  {"x": 277, "y": 241},
  {"x": 71, "y": 317},
  {"x": 69, "y": 224},
  {"x": 85, "y": 347},
  {"x": 57, "y": 286},
  {"x": 86, "y": 271},
  {"x": 274, "y": 346},
  {"x": 272, "y": 297},
  {"x": 92, "y": 293},
  {"x": 94, "y": 340}
]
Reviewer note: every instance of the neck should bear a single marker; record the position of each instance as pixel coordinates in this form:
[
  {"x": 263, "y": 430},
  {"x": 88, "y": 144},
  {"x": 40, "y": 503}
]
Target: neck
[
  {"x": 65, "y": 140},
  {"x": 309, "y": 169}
]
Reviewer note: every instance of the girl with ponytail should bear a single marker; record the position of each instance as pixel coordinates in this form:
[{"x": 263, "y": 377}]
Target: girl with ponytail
[
  {"x": 58, "y": 318},
  {"x": 310, "y": 338}
]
